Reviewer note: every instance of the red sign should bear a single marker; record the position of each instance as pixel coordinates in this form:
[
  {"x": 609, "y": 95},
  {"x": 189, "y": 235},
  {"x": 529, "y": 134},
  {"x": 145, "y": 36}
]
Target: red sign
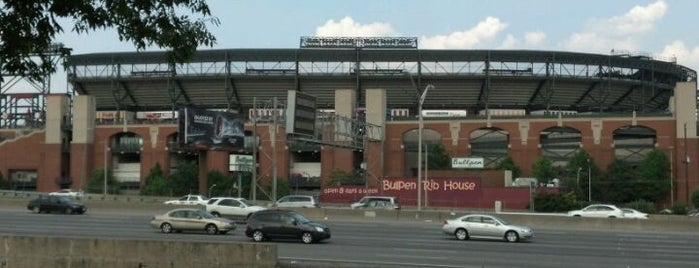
[{"x": 436, "y": 191}]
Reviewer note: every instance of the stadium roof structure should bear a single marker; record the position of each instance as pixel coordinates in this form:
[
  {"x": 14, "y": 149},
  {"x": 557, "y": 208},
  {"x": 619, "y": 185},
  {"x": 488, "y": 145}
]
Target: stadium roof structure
[{"x": 463, "y": 79}]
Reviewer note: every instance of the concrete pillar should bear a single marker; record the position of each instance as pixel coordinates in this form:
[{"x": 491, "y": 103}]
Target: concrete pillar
[
  {"x": 345, "y": 105},
  {"x": 686, "y": 156},
  {"x": 82, "y": 146},
  {"x": 375, "y": 116}
]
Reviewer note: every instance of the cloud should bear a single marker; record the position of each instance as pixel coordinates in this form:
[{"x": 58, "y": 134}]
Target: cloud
[
  {"x": 478, "y": 36},
  {"x": 534, "y": 38},
  {"x": 618, "y": 32},
  {"x": 685, "y": 56},
  {"x": 348, "y": 27}
]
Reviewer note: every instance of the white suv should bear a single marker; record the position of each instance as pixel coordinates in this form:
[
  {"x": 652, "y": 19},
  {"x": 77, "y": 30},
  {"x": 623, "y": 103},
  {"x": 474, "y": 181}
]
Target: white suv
[
  {"x": 298, "y": 201},
  {"x": 231, "y": 207}
]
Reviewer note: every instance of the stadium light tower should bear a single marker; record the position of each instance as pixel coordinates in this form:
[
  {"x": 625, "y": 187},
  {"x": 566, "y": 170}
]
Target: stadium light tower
[{"x": 419, "y": 146}]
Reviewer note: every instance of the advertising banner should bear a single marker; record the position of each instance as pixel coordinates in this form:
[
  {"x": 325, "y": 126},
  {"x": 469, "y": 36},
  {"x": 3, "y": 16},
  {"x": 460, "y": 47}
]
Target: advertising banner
[
  {"x": 205, "y": 129},
  {"x": 436, "y": 191}
]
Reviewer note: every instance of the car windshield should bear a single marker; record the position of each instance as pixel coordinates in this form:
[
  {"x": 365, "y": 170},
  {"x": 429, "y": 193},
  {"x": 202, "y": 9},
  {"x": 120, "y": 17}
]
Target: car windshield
[
  {"x": 300, "y": 218},
  {"x": 247, "y": 202}
]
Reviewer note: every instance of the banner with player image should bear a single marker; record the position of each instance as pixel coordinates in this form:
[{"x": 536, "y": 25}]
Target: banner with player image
[{"x": 204, "y": 129}]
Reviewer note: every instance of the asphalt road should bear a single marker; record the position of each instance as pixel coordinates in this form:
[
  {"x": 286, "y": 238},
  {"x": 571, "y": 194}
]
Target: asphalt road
[{"x": 367, "y": 243}]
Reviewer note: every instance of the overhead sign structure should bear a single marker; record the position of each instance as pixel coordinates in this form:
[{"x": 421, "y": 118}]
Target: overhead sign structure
[
  {"x": 204, "y": 129},
  {"x": 467, "y": 162},
  {"x": 300, "y": 114}
]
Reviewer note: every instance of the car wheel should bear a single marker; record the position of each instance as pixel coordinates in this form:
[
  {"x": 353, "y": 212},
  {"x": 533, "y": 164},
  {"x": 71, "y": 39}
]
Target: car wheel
[
  {"x": 211, "y": 229},
  {"x": 461, "y": 234},
  {"x": 258, "y": 236},
  {"x": 36, "y": 210},
  {"x": 68, "y": 211},
  {"x": 576, "y": 215},
  {"x": 511, "y": 236},
  {"x": 612, "y": 217},
  {"x": 166, "y": 228},
  {"x": 307, "y": 238},
  {"x": 216, "y": 214}
]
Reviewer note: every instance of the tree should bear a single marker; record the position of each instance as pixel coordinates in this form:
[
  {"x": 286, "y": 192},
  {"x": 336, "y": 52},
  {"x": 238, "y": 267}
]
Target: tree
[
  {"x": 223, "y": 184},
  {"x": 96, "y": 182},
  {"x": 653, "y": 182},
  {"x": 437, "y": 158},
  {"x": 5, "y": 184},
  {"x": 542, "y": 169},
  {"x": 29, "y": 28},
  {"x": 155, "y": 182},
  {"x": 185, "y": 180},
  {"x": 509, "y": 164},
  {"x": 695, "y": 198},
  {"x": 618, "y": 184}
]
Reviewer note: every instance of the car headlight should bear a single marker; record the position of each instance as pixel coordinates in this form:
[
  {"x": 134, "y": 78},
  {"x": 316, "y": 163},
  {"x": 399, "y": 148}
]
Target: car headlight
[{"x": 319, "y": 229}]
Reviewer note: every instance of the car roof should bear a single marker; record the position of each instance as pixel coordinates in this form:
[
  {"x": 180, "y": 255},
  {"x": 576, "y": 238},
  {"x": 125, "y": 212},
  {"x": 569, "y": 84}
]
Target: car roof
[
  {"x": 379, "y": 196},
  {"x": 179, "y": 209},
  {"x": 227, "y": 197}
]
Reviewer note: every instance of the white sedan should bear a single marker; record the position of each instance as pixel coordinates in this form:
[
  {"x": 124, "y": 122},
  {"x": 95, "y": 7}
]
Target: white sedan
[
  {"x": 598, "y": 211},
  {"x": 630, "y": 213},
  {"x": 190, "y": 199},
  {"x": 67, "y": 192},
  {"x": 232, "y": 207}
]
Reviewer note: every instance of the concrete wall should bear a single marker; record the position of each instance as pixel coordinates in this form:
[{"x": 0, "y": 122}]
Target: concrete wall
[{"x": 30, "y": 252}]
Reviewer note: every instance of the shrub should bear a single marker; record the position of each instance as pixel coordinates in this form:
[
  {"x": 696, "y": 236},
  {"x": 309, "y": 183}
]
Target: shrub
[
  {"x": 695, "y": 198},
  {"x": 679, "y": 209},
  {"x": 642, "y": 206},
  {"x": 544, "y": 202}
]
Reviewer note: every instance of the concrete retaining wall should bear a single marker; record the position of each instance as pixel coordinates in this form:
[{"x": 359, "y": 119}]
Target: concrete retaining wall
[{"x": 30, "y": 252}]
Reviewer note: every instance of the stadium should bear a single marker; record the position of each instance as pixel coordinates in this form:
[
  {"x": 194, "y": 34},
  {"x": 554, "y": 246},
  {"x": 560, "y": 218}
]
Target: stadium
[{"x": 376, "y": 101}]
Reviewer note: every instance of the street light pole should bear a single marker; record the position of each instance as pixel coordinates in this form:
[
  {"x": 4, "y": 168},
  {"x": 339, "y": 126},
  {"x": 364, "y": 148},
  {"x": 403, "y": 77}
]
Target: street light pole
[
  {"x": 211, "y": 188},
  {"x": 419, "y": 146},
  {"x": 106, "y": 150},
  {"x": 578, "y": 180},
  {"x": 589, "y": 182}
]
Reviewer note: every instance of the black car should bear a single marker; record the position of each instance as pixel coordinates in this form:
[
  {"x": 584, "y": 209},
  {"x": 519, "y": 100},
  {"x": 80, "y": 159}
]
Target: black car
[
  {"x": 49, "y": 203},
  {"x": 284, "y": 224}
]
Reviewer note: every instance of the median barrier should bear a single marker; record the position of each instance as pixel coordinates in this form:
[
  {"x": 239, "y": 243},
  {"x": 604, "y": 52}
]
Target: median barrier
[{"x": 31, "y": 251}]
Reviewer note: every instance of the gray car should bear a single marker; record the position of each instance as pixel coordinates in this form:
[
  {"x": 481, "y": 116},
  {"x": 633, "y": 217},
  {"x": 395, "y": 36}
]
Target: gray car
[{"x": 487, "y": 227}]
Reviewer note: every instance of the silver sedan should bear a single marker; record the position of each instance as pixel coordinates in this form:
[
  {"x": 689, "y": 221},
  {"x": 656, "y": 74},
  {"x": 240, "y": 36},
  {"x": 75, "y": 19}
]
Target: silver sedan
[
  {"x": 191, "y": 219},
  {"x": 485, "y": 226}
]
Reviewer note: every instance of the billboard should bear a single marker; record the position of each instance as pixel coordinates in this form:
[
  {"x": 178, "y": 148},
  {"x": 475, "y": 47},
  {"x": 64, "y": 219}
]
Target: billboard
[
  {"x": 204, "y": 129},
  {"x": 300, "y": 114}
]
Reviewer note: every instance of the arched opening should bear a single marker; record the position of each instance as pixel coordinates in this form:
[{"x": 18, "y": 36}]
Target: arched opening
[
  {"x": 633, "y": 143},
  {"x": 430, "y": 138},
  {"x": 491, "y": 144},
  {"x": 125, "y": 149},
  {"x": 559, "y": 144}
]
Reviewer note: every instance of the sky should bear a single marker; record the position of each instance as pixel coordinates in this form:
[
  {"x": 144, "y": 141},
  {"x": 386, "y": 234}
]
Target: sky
[{"x": 662, "y": 29}]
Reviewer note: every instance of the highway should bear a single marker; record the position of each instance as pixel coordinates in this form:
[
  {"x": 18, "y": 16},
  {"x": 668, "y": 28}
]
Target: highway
[{"x": 375, "y": 243}]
